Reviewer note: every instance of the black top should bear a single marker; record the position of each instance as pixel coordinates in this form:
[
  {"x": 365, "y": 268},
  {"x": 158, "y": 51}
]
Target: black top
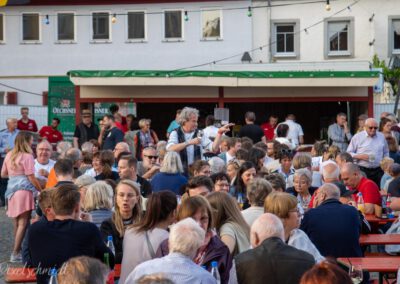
[
  {"x": 53, "y": 243},
  {"x": 254, "y": 132},
  {"x": 145, "y": 186},
  {"x": 108, "y": 228},
  {"x": 334, "y": 228},
  {"x": 114, "y": 176},
  {"x": 92, "y": 132},
  {"x": 272, "y": 262},
  {"x": 394, "y": 187},
  {"x": 112, "y": 137}
]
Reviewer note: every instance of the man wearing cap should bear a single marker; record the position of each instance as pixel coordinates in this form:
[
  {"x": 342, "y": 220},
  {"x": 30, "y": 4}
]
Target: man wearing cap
[
  {"x": 368, "y": 148},
  {"x": 339, "y": 132},
  {"x": 352, "y": 178},
  {"x": 334, "y": 228},
  {"x": 85, "y": 130}
]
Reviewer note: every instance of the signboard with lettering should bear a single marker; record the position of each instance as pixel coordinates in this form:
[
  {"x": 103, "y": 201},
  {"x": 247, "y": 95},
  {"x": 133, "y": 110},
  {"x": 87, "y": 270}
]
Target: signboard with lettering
[{"x": 61, "y": 104}]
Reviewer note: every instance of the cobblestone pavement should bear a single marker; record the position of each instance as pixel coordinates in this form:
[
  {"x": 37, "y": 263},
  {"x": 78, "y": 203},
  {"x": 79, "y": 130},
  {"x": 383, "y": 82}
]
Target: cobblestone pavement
[{"x": 6, "y": 241}]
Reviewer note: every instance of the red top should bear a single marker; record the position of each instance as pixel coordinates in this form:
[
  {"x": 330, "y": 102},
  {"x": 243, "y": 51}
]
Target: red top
[
  {"x": 370, "y": 191},
  {"x": 29, "y": 126},
  {"x": 52, "y": 135},
  {"x": 269, "y": 131}
]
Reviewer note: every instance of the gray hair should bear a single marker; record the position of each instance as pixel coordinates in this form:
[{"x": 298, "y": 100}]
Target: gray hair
[
  {"x": 303, "y": 173},
  {"x": 330, "y": 190},
  {"x": 266, "y": 226},
  {"x": 45, "y": 142},
  {"x": 172, "y": 163},
  {"x": 186, "y": 237},
  {"x": 186, "y": 113},
  {"x": 351, "y": 168},
  {"x": 217, "y": 165},
  {"x": 63, "y": 147},
  {"x": 330, "y": 171},
  {"x": 99, "y": 195},
  {"x": 87, "y": 147},
  {"x": 257, "y": 191},
  {"x": 74, "y": 155},
  {"x": 84, "y": 180},
  {"x": 123, "y": 144}
]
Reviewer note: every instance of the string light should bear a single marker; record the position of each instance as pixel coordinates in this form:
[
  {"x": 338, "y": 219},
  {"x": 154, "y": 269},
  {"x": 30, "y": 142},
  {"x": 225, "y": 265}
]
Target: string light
[
  {"x": 306, "y": 31},
  {"x": 349, "y": 8},
  {"x": 328, "y": 6},
  {"x": 186, "y": 16},
  {"x": 249, "y": 12},
  {"x": 114, "y": 18},
  {"x": 47, "y": 20}
]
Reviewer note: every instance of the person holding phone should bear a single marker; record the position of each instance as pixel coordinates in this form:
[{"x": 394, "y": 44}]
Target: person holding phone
[{"x": 339, "y": 132}]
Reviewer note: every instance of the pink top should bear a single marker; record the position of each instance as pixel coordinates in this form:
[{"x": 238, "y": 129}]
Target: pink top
[{"x": 25, "y": 165}]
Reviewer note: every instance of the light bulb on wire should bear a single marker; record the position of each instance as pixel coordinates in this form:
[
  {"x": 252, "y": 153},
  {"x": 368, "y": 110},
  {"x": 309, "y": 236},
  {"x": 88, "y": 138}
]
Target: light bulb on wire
[
  {"x": 328, "y": 6},
  {"x": 249, "y": 12},
  {"x": 114, "y": 18},
  {"x": 186, "y": 17},
  {"x": 47, "y": 20}
]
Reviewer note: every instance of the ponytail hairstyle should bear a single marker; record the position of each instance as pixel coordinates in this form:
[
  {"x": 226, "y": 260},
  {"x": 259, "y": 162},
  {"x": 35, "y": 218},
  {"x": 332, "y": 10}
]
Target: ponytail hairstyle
[
  {"x": 159, "y": 207},
  {"x": 107, "y": 161}
]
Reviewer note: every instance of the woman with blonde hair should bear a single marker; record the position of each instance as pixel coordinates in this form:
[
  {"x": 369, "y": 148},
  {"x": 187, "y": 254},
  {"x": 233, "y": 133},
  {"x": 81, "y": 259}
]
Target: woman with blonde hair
[
  {"x": 171, "y": 175},
  {"x": 284, "y": 205},
  {"x": 22, "y": 187},
  {"x": 229, "y": 222},
  {"x": 99, "y": 201},
  {"x": 142, "y": 239},
  {"x": 213, "y": 249},
  {"x": 127, "y": 211}
]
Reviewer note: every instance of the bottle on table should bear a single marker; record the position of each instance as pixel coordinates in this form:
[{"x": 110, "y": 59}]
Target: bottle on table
[
  {"x": 110, "y": 279},
  {"x": 384, "y": 208},
  {"x": 53, "y": 276},
  {"x": 388, "y": 209},
  {"x": 215, "y": 272},
  {"x": 360, "y": 203},
  {"x": 110, "y": 244}
]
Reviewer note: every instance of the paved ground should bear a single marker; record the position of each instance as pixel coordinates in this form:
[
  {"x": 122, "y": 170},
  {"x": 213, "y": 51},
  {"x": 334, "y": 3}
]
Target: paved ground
[{"x": 6, "y": 242}]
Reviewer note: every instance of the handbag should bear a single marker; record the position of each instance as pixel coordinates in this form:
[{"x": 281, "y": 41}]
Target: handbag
[{"x": 394, "y": 229}]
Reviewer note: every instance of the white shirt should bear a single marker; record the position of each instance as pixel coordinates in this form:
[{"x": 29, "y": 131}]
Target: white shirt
[
  {"x": 210, "y": 131},
  {"x": 47, "y": 167},
  {"x": 205, "y": 144},
  {"x": 295, "y": 130},
  {"x": 229, "y": 157}
]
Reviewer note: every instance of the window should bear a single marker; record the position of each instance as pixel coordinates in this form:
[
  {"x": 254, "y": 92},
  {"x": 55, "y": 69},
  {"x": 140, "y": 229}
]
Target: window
[
  {"x": 173, "y": 26},
  {"x": 66, "y": 27},
  {"x": 101, "y": 26},
  {"x": 30, "y": 27},
  {"x": 211, "y": 24},
  {"x": 136, "y": 25},
  {"x": 285, "y": 38},
  {"x": 394, "y": 35},
  {"x": 339, "y": 37},
  {"x": 2, "y": 28}
]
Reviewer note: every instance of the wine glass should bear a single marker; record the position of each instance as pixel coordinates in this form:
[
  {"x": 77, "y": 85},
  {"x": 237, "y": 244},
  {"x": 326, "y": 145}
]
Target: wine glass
[
  {"x": 356, "y": 274},
  {"x": 200, "y": 134}
]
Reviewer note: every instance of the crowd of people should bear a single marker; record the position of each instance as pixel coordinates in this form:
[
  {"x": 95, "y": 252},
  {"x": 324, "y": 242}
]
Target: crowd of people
[{"x": 259, "y": 208}]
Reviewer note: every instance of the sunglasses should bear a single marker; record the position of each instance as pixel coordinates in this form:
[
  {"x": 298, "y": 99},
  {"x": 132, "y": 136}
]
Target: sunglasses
[
  {"x": 372, "y": 127},
  {"x": 151, "y": 157},
  {"x": 286, "y": 151}
]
